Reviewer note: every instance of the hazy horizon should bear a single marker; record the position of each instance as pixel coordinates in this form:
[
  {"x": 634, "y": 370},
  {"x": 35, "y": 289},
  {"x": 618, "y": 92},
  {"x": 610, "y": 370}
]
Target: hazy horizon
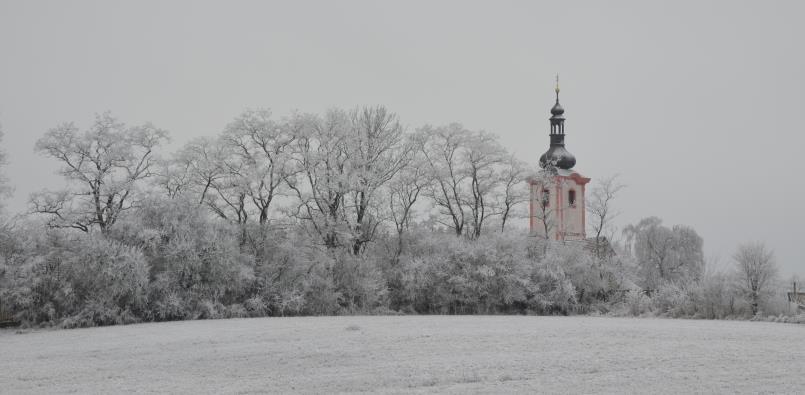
[{"x": 697, "y": 105}]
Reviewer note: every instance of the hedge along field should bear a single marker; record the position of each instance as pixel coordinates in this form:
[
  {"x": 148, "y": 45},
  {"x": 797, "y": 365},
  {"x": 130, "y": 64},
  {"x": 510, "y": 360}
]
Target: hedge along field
[
  {"x": 453, "y": 354},
  {"x": 172, "y": 262}
]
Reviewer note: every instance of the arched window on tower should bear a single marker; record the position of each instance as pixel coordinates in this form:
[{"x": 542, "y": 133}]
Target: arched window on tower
[{"x": 571, "y": 197}]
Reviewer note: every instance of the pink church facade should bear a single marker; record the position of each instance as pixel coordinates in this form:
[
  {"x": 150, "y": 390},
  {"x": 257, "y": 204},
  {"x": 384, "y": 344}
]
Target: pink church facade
[{"x": 558, "y": 206}]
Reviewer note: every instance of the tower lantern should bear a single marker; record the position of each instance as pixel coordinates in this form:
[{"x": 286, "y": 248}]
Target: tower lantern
[{"x": 557, "y": 192}]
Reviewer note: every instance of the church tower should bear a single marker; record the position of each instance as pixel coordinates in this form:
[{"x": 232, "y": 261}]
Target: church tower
[{"x": 556, "y": 209}]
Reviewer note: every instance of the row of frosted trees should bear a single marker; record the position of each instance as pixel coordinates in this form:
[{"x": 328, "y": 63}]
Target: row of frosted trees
[
  {"x": 342, "y": 176},
  {"x": 345, "y": 212}
]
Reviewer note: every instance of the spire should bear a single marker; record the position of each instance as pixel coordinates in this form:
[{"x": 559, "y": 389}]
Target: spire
[
  {"x": 557, "y": 155},
  {"x": 557, "y": 88},
  {"x": 557, "y": 112}
]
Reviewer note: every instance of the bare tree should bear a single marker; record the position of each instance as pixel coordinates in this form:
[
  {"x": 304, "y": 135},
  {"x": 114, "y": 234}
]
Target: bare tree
[
  {"x": 442, "y": 150},
  {"x": 544, "y": 211},
  {"x": 404, "y": 191},
  {"x": 342, "y": 162},
  {"x": 227, "y": 195},
  {"x": 602, "y": 214},
  {"x": 104, "y": 167},
  {"x": 514, "y": 191},
  {"x": 599, "y": 205},
  {"x": 208, "y": 169},
  {"x": 321, "y": 155},
  {"x": 474, "y": 178},
  {"x": 262, "y": 148},
  {"x": 173, "y": 177},
  {"x": 377, "y": 153},
  {"x": 483, "y": 158},
  {"x": 5, "y": 189},
  {"x": 204, "y": 159},
  {"x": 756, "y": 270}
]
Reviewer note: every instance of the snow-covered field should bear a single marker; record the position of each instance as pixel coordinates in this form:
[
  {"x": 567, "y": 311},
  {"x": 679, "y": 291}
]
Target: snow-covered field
[{"x": 458, "y": 354}]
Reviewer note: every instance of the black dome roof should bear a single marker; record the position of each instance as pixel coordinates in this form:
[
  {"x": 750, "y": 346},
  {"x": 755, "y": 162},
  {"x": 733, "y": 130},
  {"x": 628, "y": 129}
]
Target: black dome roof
[
  {"x": 557, "y": 156},
  {"x": 557, "y": 109}
]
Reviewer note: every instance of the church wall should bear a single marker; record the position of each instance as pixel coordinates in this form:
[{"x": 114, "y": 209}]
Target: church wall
[
  {"x": 572, "y": 217},
  {"x": 566, "y": 221}
]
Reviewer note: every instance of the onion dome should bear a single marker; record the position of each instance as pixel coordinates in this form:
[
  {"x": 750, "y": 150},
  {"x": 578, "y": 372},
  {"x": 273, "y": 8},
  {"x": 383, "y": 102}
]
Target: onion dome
[
  {"x": 557, "y": 108},
  {"x": 557, "y": 156}
]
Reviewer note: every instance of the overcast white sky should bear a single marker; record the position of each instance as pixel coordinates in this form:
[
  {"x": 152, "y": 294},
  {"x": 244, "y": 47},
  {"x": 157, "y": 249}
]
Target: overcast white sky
[{"x": 700, "y": 106}]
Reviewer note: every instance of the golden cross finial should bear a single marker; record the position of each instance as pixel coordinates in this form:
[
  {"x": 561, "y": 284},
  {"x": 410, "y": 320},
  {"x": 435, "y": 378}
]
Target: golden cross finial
[{"x": 557, "y": 84}]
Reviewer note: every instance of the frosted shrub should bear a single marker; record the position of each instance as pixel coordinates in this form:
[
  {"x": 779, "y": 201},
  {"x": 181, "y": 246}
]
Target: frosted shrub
[
  {"x": 577, "y": 264},
  {"x": 493, "y": 273},
  {"x": 167, "y": 306},
  {"x": 289, "y": 303},
  {"x": 713, "y": 296},
  {"x": 197, "y": 263},
  {"x": 359, "y": 283},
  {"x": 282, "y": 261},
  {"x": 635, "y": 303},
  {"x": 428, "y": 278},
  {"x": 99, "y": 312},
  {"x": 421, "y": 285},
  {"x": 555, "y": 293},
  {"x": 672, "y": 300},
  {"x": 294, "y": 274},
  {"x": 797, "y": 319},
  {"x": 552, "y": 275},
  {"x": 94, "y": 280},
  {"x": 236, "y": 310},
  {"x": 776, "y": 303},
  {"x": 320, "y": 295},
  {"x": 256, "y": 307},
  {"x": 487, "y": 275},
  {"x": 552, "y": 290},
  {"x": 210, "y": 310}
]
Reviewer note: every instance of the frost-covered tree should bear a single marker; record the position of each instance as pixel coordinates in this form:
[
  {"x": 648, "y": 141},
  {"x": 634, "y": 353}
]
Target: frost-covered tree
[
  {"x": 404, "y": 191},
  {"x": 173, "y": 178},
  {"x": 474, "y": 178},
  {"x": 261, "y": 147},
  {"x": 484, "y": 158},
  {"x": 514, "y": 189},
  {"x": 756, "y": 272},
  {"x": 544, "y": 211},
  {"x": 204, "y": 158},
  {"x": 213, "y": 176},
  {"x": 5, "y": 188},
  {"x": 343, "y": 160},
  {"x": 600, "y": 206},
  {"x": 208, "y": 171},
  {"x": 442, "y": 150},
  {"x": 665, "y": 254},
  {"x": 105, "y": 167},
  {"x": 322, "y": 157},
  {"x": 377, "y": 151}
]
